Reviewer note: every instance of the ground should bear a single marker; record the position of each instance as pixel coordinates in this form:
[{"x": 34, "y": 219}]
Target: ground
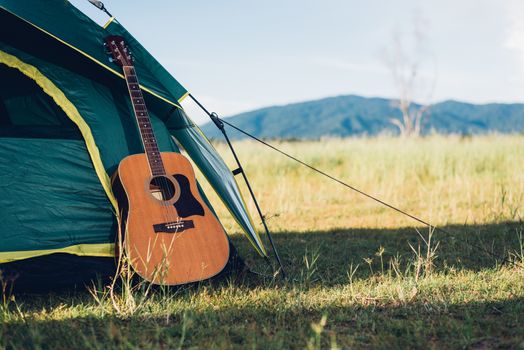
[{"x": 359, "y": 275}]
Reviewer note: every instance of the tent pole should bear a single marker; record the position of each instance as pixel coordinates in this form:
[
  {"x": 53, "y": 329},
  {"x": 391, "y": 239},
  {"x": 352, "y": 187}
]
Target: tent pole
[
  {"x": 100, "y": 6},
  {"x": 220, "y": 125}
]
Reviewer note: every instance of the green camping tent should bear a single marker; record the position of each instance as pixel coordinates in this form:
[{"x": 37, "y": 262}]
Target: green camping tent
[{"x": 66, "y": 123}]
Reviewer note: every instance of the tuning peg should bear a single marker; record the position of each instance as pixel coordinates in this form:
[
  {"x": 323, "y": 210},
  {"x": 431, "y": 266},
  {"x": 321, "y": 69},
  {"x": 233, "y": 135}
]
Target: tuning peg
[{"x": 111, "y": 59}]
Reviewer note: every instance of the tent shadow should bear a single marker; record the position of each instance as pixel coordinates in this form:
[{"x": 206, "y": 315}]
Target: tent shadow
[
  {"x": 331, "y": 254},
  {"x": 468, "y": 247},
  {"x": 439, "y": 322}
]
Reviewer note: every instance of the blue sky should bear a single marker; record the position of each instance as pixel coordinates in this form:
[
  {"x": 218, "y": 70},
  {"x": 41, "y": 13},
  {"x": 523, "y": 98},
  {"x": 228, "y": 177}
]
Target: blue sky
[{"x": 240, "y": 55}]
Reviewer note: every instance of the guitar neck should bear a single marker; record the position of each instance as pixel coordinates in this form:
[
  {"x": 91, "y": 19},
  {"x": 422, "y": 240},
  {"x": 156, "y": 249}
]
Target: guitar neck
[{"x": 144, "y": 122}]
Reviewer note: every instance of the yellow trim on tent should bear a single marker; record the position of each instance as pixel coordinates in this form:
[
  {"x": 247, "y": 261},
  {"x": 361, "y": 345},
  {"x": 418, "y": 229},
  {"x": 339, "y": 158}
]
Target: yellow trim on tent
[
  {"x": 70, "y": 110},
  {"x": 183, "y": 97},
  {"x": 99, "y": 249},
  {"x": 91, "y": 57},
  {"x": 103, "y": 249},
  {"x": 158, "y": 96},
  {"x": 108, "y": 22}
]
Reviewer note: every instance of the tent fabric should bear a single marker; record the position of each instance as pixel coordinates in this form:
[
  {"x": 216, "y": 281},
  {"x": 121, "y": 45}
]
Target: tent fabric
[
  {"x": 61, "y": 98},
  {"x": 43, "y": 208},
  {"x": 65, "y": 23},
  {"x": 70, "y": 110},
  {"x": 81, "y": 109},
  {"x": 51, "y": 197}
]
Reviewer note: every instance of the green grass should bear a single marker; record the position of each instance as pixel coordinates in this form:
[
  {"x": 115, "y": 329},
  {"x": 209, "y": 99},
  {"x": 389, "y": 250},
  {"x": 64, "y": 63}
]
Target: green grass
[{"x": 361, "y": 276}]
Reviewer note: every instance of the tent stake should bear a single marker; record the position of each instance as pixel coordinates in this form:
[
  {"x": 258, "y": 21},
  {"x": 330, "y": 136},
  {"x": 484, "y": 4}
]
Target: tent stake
[{"x": 220, "y": 125}]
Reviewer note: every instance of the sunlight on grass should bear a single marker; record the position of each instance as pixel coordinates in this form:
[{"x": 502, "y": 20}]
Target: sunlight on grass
[
  {"x": 361, "y": 276},
  {"x": 448, "y": 180}
]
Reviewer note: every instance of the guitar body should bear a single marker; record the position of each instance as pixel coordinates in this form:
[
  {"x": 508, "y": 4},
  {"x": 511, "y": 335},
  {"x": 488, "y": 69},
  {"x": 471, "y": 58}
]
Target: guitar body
[{"x": 170, "y": 236}]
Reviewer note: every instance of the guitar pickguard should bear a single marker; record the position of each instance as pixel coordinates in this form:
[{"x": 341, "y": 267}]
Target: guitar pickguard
[{"x": 186, "y": 205}]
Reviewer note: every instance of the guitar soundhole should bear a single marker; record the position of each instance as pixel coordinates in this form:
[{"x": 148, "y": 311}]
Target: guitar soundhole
[{"x": 162, "y": 188}]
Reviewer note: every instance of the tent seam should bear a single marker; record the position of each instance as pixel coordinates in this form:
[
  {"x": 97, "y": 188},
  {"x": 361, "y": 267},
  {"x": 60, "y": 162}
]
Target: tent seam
[{"x": 183, "y": 97}]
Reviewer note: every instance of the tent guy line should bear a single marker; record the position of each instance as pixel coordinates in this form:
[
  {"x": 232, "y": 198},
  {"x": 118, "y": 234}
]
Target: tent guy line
[
  {"x": 240, "y": 170},
  {"x": 216, "y": 119}
]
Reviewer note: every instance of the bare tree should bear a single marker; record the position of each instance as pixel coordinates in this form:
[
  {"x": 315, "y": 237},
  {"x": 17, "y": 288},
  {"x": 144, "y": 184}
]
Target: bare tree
[{"x": 408, "y": 67}]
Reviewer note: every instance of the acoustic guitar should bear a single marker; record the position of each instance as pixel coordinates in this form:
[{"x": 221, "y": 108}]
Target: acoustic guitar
[{"x": 169, "y": 234}]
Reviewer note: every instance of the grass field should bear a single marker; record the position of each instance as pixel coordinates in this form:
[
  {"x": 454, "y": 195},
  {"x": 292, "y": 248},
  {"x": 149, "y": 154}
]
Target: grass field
[{"x": 360, "y": 274}]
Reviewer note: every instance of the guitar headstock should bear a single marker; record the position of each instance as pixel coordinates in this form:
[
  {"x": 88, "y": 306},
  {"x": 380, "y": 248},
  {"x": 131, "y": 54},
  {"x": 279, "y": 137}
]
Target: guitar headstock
[{"x": 118, "y": 51}]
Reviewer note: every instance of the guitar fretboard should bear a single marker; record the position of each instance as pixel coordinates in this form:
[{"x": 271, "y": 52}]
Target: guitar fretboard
[{"x": 144, "y": 122}]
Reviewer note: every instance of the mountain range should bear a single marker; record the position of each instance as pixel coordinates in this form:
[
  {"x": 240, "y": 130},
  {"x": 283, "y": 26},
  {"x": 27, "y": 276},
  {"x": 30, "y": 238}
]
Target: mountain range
[{"x": 352, "y": 115}]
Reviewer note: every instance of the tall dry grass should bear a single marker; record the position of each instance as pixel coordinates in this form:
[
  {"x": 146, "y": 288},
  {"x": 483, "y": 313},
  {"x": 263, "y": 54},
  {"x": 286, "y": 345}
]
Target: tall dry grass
[{"x": 444, "y": 179}]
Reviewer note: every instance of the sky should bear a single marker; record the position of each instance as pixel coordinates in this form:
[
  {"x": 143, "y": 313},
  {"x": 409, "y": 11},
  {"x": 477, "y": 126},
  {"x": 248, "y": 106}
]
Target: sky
[{"x": 236, "y": 56}]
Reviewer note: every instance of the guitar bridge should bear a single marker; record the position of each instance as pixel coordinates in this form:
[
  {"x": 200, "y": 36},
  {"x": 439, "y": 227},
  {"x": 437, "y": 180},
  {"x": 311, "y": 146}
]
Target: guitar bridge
[{"x": 173, "y": 227}]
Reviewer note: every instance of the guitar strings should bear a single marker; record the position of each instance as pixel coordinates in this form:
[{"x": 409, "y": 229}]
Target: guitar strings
[
  {"x": 129, "y": 70},
  {"x": 167, "y": 190}
]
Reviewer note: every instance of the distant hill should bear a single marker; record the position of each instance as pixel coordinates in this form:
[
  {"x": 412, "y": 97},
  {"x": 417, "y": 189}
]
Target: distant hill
[{"x": 355, "y": 115}]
